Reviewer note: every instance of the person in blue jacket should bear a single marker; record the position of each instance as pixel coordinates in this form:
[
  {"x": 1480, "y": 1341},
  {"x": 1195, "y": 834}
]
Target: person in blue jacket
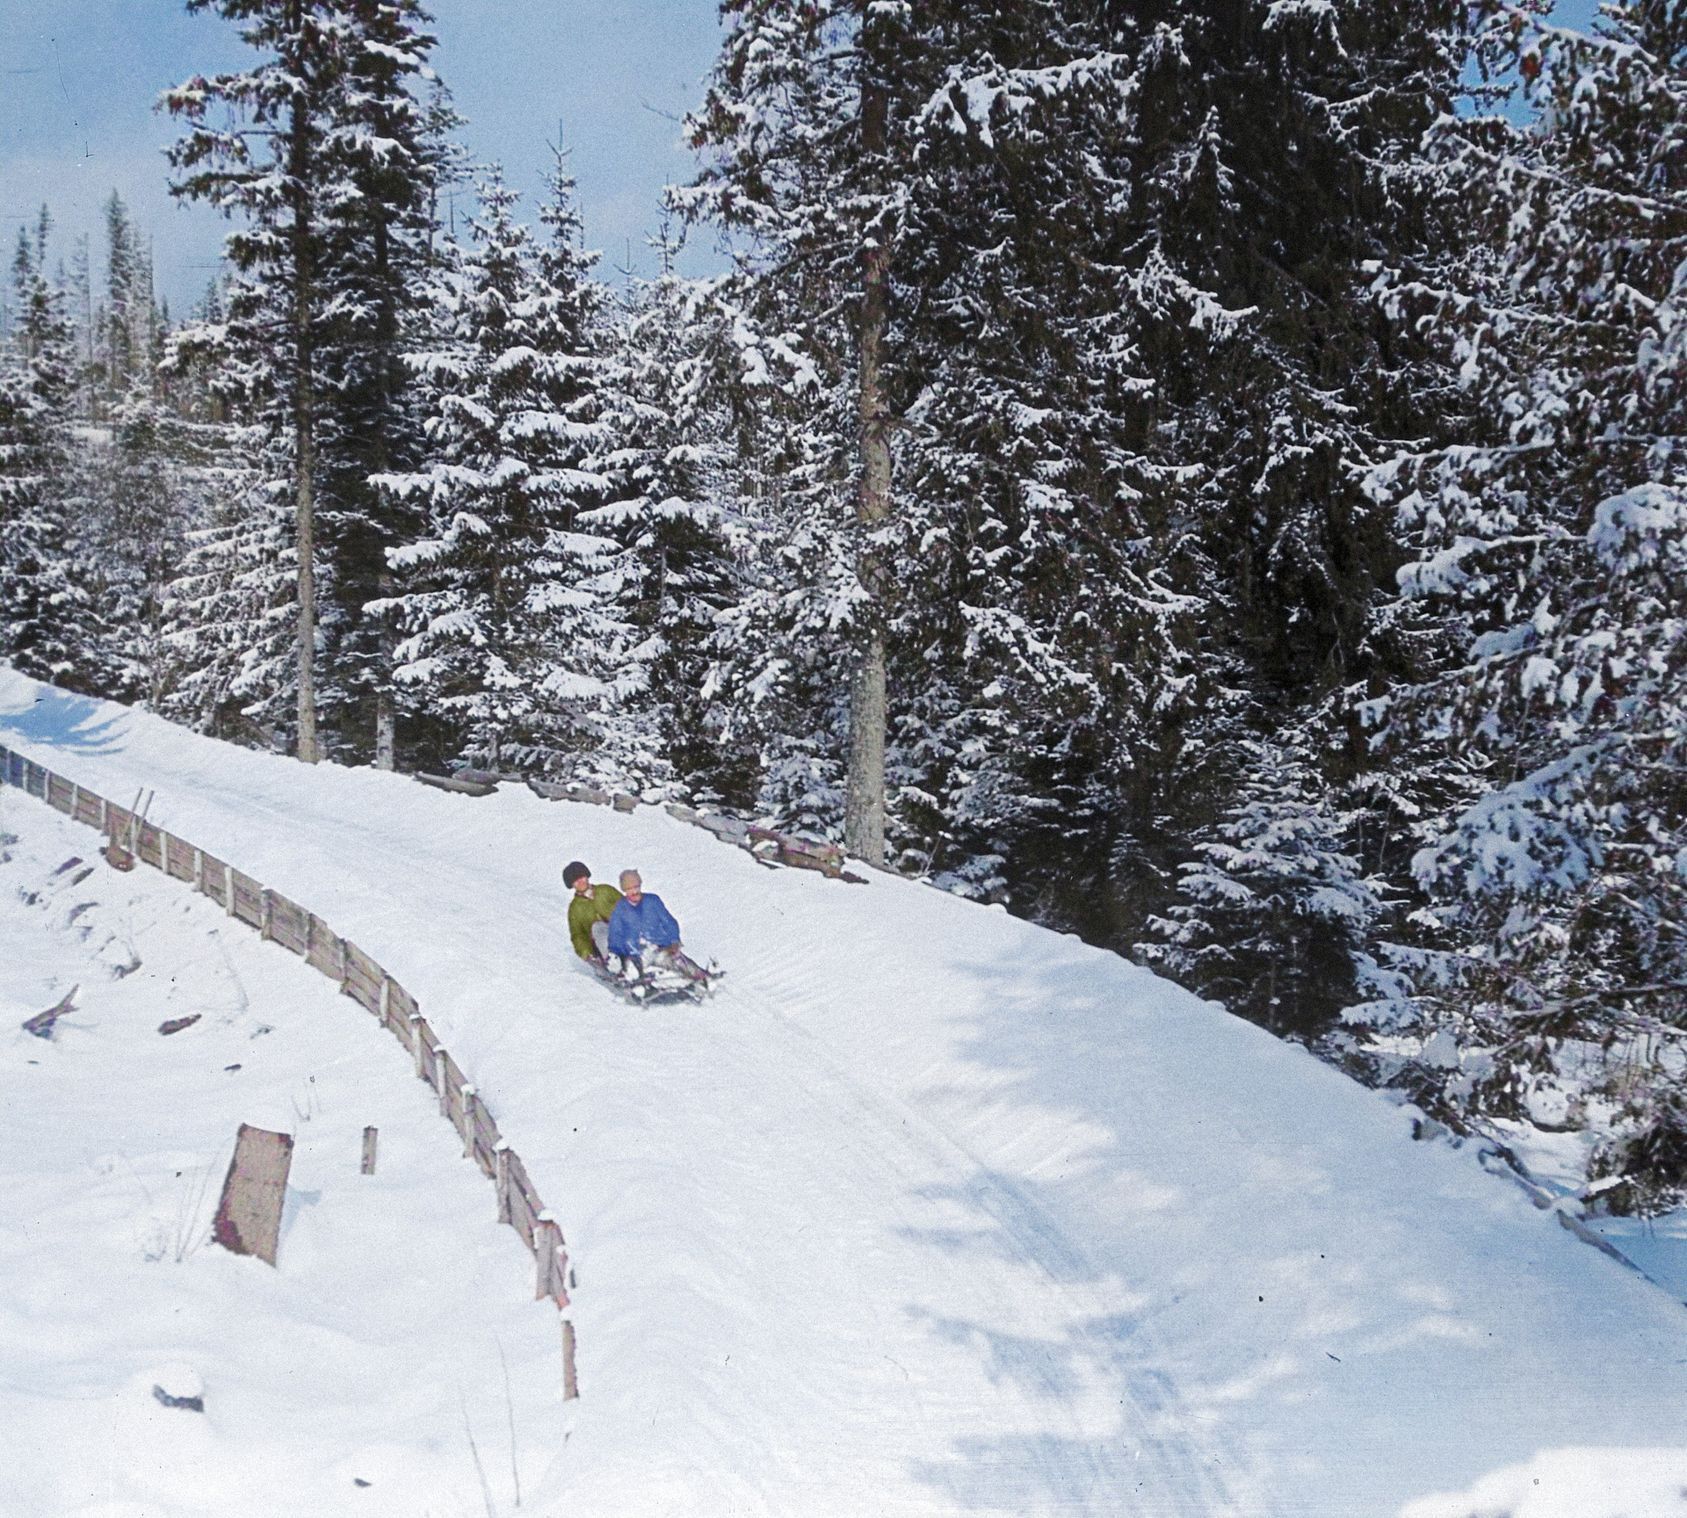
[{"x": 641, "y": 925}]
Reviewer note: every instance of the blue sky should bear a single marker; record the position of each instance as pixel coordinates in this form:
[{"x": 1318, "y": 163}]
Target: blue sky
[{"x": 78, "y": 79}]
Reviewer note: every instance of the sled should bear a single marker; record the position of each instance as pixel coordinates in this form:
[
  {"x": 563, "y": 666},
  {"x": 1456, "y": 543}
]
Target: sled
[{"x": 655, "y": 988}]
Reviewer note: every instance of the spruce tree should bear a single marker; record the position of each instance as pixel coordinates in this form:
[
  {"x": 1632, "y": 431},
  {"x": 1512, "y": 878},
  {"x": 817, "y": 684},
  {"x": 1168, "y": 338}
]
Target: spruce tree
[
  {"x": 260, "y": 144},
  {"x": 508, "y": 604},
  {"x": 1548, "y": 555},
  {"x": 46, "y": 612}
]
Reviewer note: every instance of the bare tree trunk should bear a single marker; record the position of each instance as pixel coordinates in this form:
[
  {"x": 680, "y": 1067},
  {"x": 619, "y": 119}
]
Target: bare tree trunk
[
  {"x": 386, "y": 711},
  {"x": 304, "y": 429},
  {"x": 386, "y": 728},
  {"x": 864, "y": 806}
]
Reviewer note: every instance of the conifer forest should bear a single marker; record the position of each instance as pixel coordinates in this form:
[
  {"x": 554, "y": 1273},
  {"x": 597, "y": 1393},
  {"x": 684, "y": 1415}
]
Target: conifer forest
[{"x": 1210, "y": 477}]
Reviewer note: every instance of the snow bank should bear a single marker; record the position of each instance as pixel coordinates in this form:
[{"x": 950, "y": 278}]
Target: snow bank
[{"x": 931, "y": 1210}]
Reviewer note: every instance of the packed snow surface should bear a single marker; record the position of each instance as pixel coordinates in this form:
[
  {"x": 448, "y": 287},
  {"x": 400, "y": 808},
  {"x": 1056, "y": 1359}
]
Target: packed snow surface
[{"x": 929, "y": 1211}]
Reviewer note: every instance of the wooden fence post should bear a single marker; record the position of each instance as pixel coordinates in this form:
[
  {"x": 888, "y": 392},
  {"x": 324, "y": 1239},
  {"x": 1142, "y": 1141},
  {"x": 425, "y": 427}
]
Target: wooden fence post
[
  {"x": 420, "y": 1045},
  {"x": 228, "y": 888},
  {"x": 570, "y": 1378},
  {"x": 199, "y": 870},
  {"x": 470, "y": 1102},
  {"x": 501, "y": 1179},
  {"x": 369, "y": 1140},
  {"x": 552, "y": 1267},
  {"x": 266, "y": 917},
  {"x": 442, "y": 1078}
]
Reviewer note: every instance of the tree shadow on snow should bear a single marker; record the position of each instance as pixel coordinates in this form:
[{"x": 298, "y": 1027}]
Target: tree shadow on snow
[
  {"x": 1234, "y": 1283},
  {"x": 66, "y": 721},
  {"x": 1118, "y": 1436}
]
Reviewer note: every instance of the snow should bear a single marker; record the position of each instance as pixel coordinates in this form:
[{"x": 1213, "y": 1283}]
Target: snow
[
  {"x": 115, "y": 1144},
  {"x": 928, "y": 1211}
]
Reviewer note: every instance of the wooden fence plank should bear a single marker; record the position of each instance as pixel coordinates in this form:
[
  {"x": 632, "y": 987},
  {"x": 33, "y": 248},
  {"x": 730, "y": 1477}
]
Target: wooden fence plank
[
  {"x": 88, "y": 808},
  {"x": 248, "y": 898},
  {"x": 249, "y": 1216},
  {"x": 401, "y": 1009},
  {"x": 60, "y": 793},
  {"x": 178, "y": 858},
  {"x": 363, "y": 976},
  {"x": 289, "y": 924},
  {"x": 325, "y": 951},
  {"x": 149, "y": 845}
]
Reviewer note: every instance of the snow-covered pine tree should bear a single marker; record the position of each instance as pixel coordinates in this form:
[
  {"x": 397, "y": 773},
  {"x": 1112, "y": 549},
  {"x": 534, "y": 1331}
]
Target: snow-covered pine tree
[
  {"x": 124, "y": 329},
  {"x": 231, "y": 611},
  {"x": 1125, "y": 454},
  {"x": 806, "y": 128},
  {"x": 389, "y": 149},
  {"x": 46, "y": 613},
  {"x": 508, "y": 606},
  {"x": 1275, "y": 911},
  {"x": 667, "y": 454},
  {"x": 1550, "y": 542},
  {"x": 258, "y": 145}
]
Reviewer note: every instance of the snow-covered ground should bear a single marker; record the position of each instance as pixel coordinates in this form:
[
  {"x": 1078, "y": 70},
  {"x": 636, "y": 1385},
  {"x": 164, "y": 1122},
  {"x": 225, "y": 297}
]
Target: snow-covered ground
[
  {"x": 929, "y": 1211},
  {"x": 348, "y": 1381}
]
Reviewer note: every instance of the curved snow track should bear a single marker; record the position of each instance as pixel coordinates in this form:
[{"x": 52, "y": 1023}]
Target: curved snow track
[{"x": 931, "y": 1211}]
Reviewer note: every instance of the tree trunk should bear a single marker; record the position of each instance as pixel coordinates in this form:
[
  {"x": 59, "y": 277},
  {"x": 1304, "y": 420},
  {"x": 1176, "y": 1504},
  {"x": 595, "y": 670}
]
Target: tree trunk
[
  {"x": 386, "y": 710},
  {"x": 304, "y": 403},
  {"x": 864, "y": 807}
]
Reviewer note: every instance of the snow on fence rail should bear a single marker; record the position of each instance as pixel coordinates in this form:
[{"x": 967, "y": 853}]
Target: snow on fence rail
[{"x": 358, "y": 976}]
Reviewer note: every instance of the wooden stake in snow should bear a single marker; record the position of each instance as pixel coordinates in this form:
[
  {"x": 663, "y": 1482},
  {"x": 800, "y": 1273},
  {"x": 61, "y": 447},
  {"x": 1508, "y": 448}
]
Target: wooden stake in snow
[
  {"x": 369, "y": 1136},
  {"x": 249, "y": 1215},
  {"x": 570, "y": 1376}
]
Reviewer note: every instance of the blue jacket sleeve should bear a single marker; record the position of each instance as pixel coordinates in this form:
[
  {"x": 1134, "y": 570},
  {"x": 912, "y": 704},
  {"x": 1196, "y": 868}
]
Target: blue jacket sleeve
[
  {"x": 659, "y": 926},
  {"x": 623, "y": 932}
]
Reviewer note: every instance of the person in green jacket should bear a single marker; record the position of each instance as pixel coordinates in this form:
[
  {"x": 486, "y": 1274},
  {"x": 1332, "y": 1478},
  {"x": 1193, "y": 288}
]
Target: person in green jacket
[{"x": 588, "y": 913}]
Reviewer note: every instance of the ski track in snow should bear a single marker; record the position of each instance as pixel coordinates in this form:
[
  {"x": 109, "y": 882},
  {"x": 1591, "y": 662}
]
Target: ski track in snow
[{"x": 930, "y": 1211}]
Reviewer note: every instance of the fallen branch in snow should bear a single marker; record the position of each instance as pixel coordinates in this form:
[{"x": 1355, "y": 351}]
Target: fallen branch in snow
[{"x": 42, "y": 1024}]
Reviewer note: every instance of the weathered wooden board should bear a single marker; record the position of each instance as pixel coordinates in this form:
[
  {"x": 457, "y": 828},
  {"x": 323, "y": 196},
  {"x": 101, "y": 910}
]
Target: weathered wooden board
[
  {"x": 486, "y": 1136},
  {"x": 61, "y": 794},
  {"x": 213, "y": 879},
  {"x": 178, "y": 858},
  {"x": 289, "y": 923},
  {"x": 553, "y": 790},
  {"x": 325, "y": 948},
  {"x": 401, "y": 1007},
  {"x": 426, "y": 1047},
  {"x": 525, "y": 1205},
  {"x": 150, "y": 845},
  {"x": 455, "y": 1080},
  {"x": 248, "y": 900},
  {"x": 254, "y": 1192},
  {"x": 463, "y": 787},
  {"x": 363, "y": 976},
  {"x": 88, "y": 808}
]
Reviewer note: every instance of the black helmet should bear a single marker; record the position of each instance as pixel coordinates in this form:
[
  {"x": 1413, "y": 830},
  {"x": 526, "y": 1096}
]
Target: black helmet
[{"x": 574, "y": 872}]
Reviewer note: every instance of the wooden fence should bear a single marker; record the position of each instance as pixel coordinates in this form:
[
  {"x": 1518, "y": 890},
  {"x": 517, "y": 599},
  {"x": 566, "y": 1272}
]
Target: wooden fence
[{"x": 358, "y": 976}]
